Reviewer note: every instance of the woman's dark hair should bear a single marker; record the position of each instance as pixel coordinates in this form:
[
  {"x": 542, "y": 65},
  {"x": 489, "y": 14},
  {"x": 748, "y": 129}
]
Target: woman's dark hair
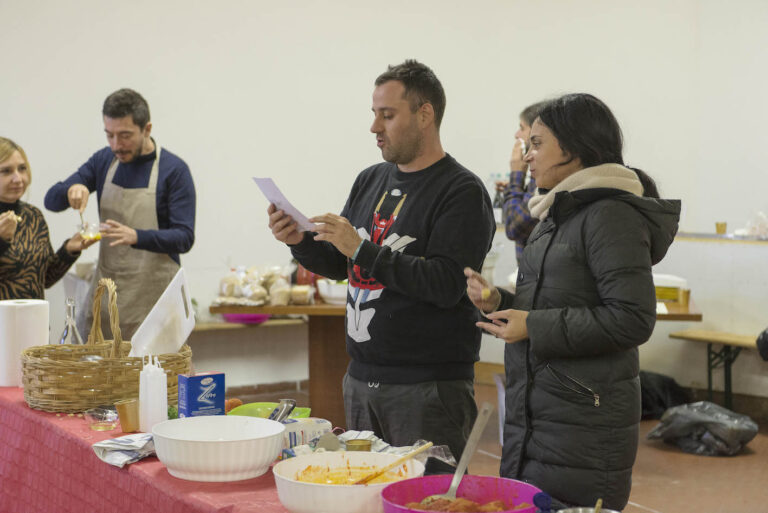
[
  {"x": 586, "y": 128},
  {"x": 649, "y": 184}
]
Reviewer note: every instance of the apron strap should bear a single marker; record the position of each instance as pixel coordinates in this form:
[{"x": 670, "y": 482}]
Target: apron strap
[{"x": 152, "y": 185}]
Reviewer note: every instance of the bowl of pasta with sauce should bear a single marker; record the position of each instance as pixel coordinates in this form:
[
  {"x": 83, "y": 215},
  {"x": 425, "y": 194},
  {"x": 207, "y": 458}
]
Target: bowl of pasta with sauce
[{"x": 322, "y": 482}]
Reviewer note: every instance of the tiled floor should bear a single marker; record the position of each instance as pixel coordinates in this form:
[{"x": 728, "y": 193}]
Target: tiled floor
[{"x": 665, "y": 479}]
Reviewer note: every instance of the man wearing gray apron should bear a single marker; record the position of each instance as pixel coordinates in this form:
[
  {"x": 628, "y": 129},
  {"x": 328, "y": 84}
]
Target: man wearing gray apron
[
  {"x": 146, "y": 211},
  {"x": 137, "y": 288}
]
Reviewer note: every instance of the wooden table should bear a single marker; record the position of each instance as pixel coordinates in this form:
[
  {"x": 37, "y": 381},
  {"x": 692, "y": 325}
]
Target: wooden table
[
  {"x": 328, "y": 357},
  {"x": 680, "y": 312}
]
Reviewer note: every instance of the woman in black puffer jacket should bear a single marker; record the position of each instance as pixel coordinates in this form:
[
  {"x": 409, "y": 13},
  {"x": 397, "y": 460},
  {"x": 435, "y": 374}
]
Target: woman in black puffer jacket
[{"x": 584, "y": 302}]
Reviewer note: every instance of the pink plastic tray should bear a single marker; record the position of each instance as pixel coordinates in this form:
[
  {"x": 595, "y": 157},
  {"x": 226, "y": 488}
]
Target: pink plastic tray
[
  {"x": 246, "y": 318},
  {"x": 480, "y": 489}
]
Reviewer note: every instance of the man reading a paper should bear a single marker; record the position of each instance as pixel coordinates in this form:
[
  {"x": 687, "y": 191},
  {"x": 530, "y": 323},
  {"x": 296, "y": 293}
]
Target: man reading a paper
[
  {"x": 409, "y": 227},
  {"x": 146, "y": 208}
]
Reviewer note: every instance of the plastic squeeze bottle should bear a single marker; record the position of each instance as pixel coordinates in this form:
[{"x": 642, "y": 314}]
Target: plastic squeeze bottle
[
  {"x": 162, "y": 392},
  {"x": 153, "y": 398}
]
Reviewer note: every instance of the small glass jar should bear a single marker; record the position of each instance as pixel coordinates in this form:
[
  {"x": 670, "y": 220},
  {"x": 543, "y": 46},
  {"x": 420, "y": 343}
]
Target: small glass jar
[{"x": 101, "y": 418}]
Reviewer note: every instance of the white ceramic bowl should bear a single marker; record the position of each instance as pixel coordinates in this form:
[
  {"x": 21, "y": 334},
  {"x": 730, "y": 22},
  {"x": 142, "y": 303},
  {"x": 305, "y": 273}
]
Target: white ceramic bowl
[
  {"x": 218, "y": 447},
  {"x": 301, "y": 497},
  {"x": 332, "y": 292}
]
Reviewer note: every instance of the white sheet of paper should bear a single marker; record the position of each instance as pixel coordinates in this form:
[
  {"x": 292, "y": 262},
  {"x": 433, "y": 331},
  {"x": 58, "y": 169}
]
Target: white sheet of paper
[
  {"x": 274, "y": 195},
  {"x": 661, "y": 308}
]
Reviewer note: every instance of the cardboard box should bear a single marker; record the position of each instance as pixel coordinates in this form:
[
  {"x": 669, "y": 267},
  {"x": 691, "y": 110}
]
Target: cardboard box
[{"x": 201, "y": 394}]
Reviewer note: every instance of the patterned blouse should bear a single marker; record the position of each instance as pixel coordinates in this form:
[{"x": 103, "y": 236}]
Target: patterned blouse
[
  {"x": 517, "y": 218},
  {"x": 28, "y": 264}
]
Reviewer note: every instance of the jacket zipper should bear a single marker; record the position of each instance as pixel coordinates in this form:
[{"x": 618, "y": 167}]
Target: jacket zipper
[
  {"x": 585, "y": 390},
  {"x": 528, "y": 369}
]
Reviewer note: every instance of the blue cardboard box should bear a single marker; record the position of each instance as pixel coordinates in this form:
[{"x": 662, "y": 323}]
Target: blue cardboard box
[{"x": 201, "y": 394}]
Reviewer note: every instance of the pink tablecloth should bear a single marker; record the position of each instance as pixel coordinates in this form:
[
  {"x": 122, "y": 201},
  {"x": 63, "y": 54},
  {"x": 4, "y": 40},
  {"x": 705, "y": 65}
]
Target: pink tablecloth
[{"x": 47, "y": 465}]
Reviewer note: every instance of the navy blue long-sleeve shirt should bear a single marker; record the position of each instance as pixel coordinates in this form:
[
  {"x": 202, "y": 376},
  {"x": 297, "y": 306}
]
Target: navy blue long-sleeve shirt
[{"x": 175, "y": 196}]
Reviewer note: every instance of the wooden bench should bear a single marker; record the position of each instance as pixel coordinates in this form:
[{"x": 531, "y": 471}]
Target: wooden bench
[{"x": 732, "y": 346}]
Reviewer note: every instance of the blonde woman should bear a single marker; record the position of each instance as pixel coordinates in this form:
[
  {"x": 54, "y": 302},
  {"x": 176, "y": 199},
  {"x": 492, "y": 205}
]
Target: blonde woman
[{"x": 28, "y": 264}]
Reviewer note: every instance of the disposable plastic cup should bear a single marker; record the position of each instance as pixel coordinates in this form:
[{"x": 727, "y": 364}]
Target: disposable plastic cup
[
  {"x": 128, "y": 413},
  {"x": 721, "y": 228}
]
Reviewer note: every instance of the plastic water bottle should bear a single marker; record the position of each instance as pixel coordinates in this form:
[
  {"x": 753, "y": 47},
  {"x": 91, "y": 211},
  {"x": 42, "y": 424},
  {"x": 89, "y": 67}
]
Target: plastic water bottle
[
  {"x": 497, "y": 197},
  {"x": 70, "y": 335}
]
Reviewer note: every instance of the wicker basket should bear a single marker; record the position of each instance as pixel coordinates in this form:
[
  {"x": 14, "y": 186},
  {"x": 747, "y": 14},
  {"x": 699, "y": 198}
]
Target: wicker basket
[{"x": 56, "y": 379}]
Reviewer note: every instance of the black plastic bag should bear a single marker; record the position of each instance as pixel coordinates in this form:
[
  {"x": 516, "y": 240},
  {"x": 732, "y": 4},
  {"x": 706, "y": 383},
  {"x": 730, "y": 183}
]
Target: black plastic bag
[
  {"x": 659, "y": 393},
  {"x": 762, "y": 344},
  {"x": 705, "y": 428}
]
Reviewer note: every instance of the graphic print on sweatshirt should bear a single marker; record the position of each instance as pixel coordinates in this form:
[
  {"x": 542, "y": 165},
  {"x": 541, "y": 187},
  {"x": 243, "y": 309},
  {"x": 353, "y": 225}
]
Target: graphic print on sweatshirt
[{"x": 364, "y": 290}]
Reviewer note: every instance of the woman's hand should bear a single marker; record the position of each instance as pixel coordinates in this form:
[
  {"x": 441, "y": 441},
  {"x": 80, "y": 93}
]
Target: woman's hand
[
  {"x": 8, "y": 225},
  {"x": 516, "y": 162},
  {"x": 77, "y": 243},
  {"x": 507, "y": 324},
  {"x": 482, "y": 294}
]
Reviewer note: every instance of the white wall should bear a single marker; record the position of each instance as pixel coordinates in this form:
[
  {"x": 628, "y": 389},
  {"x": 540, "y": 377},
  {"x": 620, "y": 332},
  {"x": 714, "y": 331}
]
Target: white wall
[
  {"x": 263, "y": 354},
  {"x": 728, "y": 285},
  {"x": 244, "y": 88}
]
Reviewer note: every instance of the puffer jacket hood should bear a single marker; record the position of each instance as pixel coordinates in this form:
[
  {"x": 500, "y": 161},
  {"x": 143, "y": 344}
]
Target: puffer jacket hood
[{"x": 662, "y": 215}]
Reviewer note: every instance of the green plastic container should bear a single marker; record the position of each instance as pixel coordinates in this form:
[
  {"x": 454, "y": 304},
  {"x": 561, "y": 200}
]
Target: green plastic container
[{"x": 264, "y": 409}]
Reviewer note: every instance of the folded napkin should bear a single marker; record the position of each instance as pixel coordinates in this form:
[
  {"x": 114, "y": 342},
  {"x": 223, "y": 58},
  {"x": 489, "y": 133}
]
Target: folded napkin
[{"x": 125, "y": 449}]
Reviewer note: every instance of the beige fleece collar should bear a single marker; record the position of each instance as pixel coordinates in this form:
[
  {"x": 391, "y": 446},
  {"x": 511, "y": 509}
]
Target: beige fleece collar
[{"x": 604, "y": 176}]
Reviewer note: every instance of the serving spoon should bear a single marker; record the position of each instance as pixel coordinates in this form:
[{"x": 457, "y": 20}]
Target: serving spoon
[
  {"x": 282, "y": 410},
  {"x": 469, "y": 451},
  {"x": 396, "y": 463}
]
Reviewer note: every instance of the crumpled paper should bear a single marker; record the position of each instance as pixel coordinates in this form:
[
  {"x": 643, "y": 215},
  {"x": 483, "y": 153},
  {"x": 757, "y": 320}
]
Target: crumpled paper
[{"x": 125, "y": 449}]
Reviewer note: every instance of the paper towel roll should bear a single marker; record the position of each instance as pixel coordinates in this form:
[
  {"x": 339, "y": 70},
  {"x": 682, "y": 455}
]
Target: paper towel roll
[{"x": 23, "y": 324}]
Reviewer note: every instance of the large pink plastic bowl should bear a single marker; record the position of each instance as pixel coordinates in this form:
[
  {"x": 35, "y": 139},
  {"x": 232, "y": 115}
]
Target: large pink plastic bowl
[
  {"x": 480, "y": 489},
  {"x": 246, "y": 318}
]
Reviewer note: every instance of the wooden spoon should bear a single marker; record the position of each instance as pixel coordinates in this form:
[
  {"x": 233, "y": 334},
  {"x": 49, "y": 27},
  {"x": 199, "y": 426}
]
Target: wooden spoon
[{"x": 396, "y": 463}]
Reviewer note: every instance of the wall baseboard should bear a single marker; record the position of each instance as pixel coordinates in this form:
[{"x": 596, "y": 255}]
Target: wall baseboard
[
  {"x": 756, "y": 407},
  {"x": 269, "y": 388}
]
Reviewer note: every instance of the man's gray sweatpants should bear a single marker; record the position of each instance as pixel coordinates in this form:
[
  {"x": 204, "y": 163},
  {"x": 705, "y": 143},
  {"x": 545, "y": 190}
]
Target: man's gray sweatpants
[{"x": 438, "y": 411}]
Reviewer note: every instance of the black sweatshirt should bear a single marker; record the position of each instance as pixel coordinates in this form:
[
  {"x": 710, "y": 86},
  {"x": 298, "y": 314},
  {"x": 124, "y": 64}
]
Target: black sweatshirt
[{"x": 408, "y": 317}]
